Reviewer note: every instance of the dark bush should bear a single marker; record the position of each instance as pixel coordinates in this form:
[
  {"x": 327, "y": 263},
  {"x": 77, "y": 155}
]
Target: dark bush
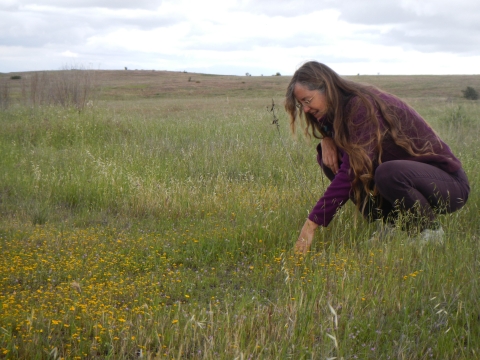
[
  {"x": 15, "y": 77},
  {"x": 470, "y": 93}
]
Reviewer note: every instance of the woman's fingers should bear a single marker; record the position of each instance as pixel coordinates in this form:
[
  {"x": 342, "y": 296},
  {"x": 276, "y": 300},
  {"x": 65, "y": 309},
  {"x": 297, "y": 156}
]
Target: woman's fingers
[
  {"x": 302, "y": 246},
  {"x": 331, "y": 162}
]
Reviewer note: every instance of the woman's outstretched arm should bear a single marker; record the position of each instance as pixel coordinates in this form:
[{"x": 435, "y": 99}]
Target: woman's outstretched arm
[{"x": 306, "y": 237}]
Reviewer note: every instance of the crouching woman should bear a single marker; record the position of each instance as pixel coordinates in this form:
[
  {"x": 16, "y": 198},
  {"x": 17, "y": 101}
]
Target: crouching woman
[{"x": 377, "y": 151}]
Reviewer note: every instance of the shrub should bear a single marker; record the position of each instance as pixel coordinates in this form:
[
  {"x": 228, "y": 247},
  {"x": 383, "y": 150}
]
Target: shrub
[
  {"x": 15, "y": 77},
  {"x": 470, "y": 93}
]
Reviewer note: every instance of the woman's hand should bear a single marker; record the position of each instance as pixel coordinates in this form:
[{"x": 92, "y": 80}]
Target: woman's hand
[
  {"x": 329, "y": 154},
  {"x": 306, "y": 237}
]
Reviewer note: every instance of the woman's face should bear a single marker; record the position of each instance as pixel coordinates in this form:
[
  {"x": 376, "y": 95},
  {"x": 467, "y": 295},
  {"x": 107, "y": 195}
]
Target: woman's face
[{"x": 313, "y": 102}]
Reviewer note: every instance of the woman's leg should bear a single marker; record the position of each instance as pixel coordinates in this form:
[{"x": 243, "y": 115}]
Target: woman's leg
[
  {"x": 375, "y": 208},
  {"x": 421, "y": 189}
]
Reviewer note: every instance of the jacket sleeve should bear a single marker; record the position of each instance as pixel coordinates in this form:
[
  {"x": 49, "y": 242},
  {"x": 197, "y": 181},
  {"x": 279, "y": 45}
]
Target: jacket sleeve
[{"x": 335, "y": 196}]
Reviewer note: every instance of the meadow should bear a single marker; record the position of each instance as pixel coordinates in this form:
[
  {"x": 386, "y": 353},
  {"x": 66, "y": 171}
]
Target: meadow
[{"x": 157, "y": 221}]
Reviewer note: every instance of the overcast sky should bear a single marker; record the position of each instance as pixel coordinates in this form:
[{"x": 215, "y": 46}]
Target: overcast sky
[{"x": 239, "y": 36}]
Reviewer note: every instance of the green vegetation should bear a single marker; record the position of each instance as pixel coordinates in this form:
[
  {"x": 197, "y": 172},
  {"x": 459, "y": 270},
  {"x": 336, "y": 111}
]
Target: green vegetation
[
  {"x": 161, "y": 227},
  {"x": 470, "y": 93}
]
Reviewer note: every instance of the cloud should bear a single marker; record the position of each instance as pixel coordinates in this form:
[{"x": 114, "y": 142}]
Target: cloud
[
  {"x": 69, "y": 54},
  {"x": 426, "y": 26},
  {"x": 79, "y": 4},
  {"x": 222, "y": 34},
  {"x": 45, "y": 25}
]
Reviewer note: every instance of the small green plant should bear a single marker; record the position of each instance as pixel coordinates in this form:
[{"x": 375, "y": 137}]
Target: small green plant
[
  {"x": 456, "y": 116},
  {"x": 470, "y": 93},
  {"x": 15, "y": 77}
]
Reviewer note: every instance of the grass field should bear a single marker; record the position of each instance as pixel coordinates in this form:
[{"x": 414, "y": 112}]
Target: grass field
[{"x": 158, "y": 223}]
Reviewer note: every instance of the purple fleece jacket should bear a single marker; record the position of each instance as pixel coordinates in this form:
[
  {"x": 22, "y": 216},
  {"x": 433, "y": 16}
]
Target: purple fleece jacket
[{"x": 338, "y": 192}]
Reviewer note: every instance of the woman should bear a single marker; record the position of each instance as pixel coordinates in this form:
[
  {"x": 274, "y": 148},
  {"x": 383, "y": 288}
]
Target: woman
[{"x": 377, "y": 151}]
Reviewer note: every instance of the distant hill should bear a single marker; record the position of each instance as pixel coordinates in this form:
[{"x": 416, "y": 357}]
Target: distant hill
[{"x": 131, "y": 84}]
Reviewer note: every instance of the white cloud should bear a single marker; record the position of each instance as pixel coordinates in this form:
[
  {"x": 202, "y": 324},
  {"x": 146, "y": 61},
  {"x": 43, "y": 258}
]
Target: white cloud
[
  {"x": 238, "y": 36},
  {"x": 69, "y": 54}
]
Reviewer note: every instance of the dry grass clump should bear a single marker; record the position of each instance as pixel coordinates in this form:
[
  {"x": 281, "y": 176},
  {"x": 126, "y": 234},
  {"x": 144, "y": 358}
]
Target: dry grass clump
[
  {"x": 75, "y": 87},
  {"x": 4, "y": 94}
]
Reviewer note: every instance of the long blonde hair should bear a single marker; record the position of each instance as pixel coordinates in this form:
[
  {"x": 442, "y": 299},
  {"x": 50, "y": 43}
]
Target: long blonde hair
[{"x": 338, "y": 92}]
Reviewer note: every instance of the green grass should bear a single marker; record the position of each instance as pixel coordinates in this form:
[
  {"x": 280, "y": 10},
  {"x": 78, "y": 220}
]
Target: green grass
[{"x": 163, "y": 228}]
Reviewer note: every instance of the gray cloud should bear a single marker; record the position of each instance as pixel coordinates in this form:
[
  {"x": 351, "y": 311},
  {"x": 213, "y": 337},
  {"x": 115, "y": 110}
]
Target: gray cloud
[
  {"x": 448, "y": 27},
  {"x": 79, "y": 4},
  {"x": 44, "y": 26},
  {"x": 374, "y": 12},
  {"x": 58, "y": 26},
  {"x": 426, "y": 26},
  {"x": 423, "y": 40}
]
